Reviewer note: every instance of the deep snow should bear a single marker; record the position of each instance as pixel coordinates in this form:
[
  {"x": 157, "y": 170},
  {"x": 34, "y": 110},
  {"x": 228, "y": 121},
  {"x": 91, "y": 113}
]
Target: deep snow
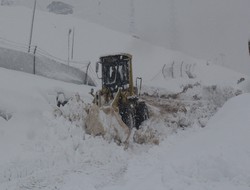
[{"x": 41, "y": 151}]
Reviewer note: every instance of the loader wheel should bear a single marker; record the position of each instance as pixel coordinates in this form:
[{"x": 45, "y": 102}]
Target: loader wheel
[
  {"x": 142, "y": 114},
  {"x": 128, "y": 117}
]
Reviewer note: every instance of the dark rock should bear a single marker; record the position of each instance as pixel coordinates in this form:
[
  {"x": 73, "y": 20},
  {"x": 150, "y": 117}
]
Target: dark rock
[{"x": 59, "y": 7}]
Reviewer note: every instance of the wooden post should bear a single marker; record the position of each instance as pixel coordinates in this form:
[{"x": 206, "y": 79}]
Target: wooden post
[
  {"x": 68, "y": 44},
  {"x": 172, "y": 69},
  {"x": 163, "y": 71},
  {"x": 86, "y": 74},
  {"x": 249, "y": 47},
  {"x": 181, "y": 67},
  {"x": 34, "y": 61}
]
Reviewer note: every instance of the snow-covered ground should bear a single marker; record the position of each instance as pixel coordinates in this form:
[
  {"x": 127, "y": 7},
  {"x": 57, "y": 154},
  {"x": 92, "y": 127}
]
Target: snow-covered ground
[
  {"x": 41, "y": 151},
  {"x": 197, "y": 149}
]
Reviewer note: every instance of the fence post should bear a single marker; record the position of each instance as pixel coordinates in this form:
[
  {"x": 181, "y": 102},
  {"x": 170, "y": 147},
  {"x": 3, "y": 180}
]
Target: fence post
[
  {"x": 163, "y": 72},
  {"x": 86, "y": 75},
  {"x": 181, "y": 67},
  {"x": 249, "y": 46},
  {"x": 34, "y": 61},
  {"x": 172, "y": 69}
]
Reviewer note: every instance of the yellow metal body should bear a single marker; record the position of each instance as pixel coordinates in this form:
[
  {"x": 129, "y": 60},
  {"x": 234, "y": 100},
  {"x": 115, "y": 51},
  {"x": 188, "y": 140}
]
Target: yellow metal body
[{"x": 106, "y": 97}]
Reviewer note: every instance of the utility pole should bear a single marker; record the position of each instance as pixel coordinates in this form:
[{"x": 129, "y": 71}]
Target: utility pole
[
  {"x": 32, "y": 24},
  {"x": 73, "y": 41}
]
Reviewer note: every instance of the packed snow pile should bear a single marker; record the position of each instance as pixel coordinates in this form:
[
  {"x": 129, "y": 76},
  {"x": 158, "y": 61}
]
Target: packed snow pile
[
  {"x": 194, "y": 105},
  {"x": 74, "y": 110}
]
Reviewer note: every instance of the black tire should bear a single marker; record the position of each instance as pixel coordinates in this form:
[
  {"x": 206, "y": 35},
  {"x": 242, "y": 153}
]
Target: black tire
[
  {"x": 142, "y": 114},
  {"x": 128, "y": 117}
]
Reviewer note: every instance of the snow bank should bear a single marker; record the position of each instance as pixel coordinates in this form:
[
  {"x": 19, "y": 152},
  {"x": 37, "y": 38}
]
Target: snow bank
[{"x": 215, "y": 157}]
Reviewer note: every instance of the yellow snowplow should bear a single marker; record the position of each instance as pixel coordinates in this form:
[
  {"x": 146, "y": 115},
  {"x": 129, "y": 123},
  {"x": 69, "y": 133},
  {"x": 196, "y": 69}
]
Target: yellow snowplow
[{"x": 117, "y": 108}]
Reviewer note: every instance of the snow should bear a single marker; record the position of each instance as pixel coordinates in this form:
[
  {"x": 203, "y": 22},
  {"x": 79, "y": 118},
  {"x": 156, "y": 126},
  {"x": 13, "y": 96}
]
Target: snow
[
  {"x": 215, "y": 157},
  {"x": 41, "y": 151},
  {"x": 216, "y": 31},
  {"x": 92, "y": 40}
]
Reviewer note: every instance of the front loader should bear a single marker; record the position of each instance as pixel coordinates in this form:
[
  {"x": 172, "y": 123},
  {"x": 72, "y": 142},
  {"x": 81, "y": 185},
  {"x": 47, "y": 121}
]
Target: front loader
[{"x": 116, "y": 107}]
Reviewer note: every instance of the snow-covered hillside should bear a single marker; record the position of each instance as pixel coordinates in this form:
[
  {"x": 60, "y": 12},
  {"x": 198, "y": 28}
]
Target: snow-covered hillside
[
  {"x": 91, "y": 41},
  {"x": 215, "y": 30},
  {"x": 202, "y": 145}
]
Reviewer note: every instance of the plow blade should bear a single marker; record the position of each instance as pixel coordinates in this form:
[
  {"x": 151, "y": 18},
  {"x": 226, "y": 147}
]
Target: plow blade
[{"x": 106, "y": 122}]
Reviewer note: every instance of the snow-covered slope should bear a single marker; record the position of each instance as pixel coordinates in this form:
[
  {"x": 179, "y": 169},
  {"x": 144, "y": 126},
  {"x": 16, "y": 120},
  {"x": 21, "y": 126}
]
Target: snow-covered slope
[
  {"x": 215, "y": 30},
  {"x": 91, "y": 40}
]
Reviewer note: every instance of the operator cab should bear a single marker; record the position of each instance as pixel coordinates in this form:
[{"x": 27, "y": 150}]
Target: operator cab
[{"x": 115, "y": 71}]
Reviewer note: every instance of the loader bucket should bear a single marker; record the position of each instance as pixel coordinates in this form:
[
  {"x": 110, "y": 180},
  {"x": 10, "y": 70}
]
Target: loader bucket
[{"x": 106, "y": 122}]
